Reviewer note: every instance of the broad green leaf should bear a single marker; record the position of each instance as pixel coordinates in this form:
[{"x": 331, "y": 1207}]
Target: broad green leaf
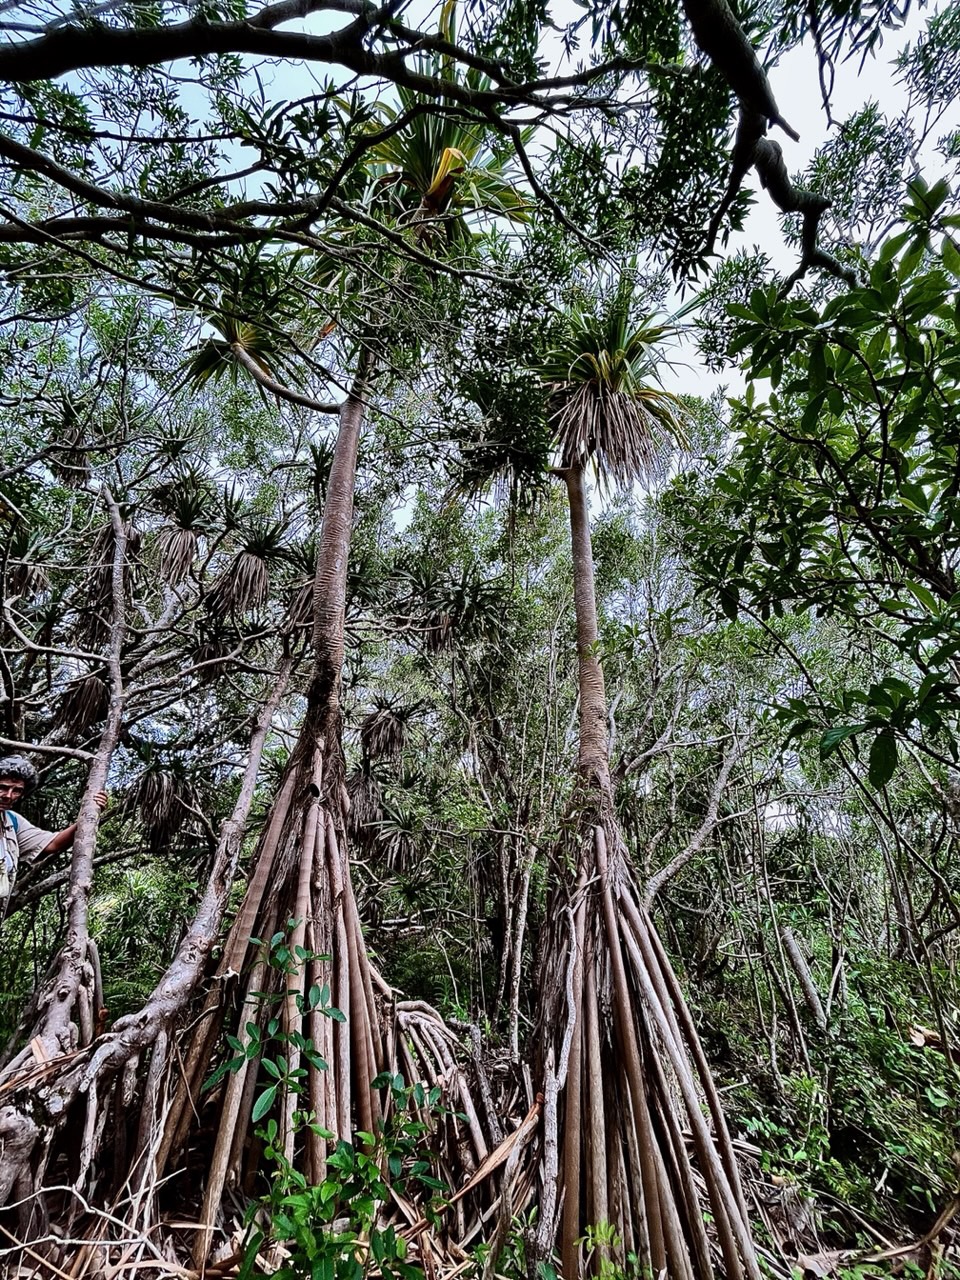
[
  {"x": 264, "y": 1103},
  {"x": 883, "y": 759},
  {"x": 833, "y": 737},
  {"x": 925, "y": 597},
  {"x": 951, "y": 256}
]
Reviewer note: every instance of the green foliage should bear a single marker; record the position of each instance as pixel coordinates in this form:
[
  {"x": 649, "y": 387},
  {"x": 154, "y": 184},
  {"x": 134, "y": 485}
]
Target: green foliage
[
  {"x": 331, "y": 1228},
  {"x": 875, "y": 1116},
  {"x": 608, "y": 408},
  {"x": 825, "y": 534},
  {"x": 840, "y": 496}
]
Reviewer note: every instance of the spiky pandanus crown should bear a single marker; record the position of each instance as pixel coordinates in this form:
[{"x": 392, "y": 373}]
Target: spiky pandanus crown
[
  {"x": 161, "y": 797},
  {"x": 383, "y": 730},
  {"x": 439, "y": 168},
  {"x": 245, "y": 583},
  {"x": 188, "y": 502},
  {"x": 607, "y": 407},
  {"x": 26, "y": 575},
  {"x": 366, "y": 812},
  {"x": 302, "y": 558},
  {"x": 259, "y": 313}
]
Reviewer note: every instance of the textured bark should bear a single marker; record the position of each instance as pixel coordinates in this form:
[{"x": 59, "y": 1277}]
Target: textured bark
[
  {"x": 637, "y": 1074},
  {"x": 49, "y": 1095},
  {"x": 330, "y": 582},
  {"x": 594, "y": 755},
  {"x": 721, "y": 37},
  {"x": 811, "y": 996}
]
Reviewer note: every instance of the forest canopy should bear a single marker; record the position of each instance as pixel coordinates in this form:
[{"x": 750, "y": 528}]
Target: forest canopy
[{"x": 515, "y": 620}]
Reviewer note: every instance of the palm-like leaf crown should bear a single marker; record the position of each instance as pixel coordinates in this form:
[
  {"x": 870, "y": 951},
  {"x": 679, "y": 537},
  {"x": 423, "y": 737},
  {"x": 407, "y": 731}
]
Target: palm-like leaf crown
[
  {"x": 607, "y": 406},
  {"x": 26, "y": 575},
  {"x": 187, "y": 500},
  {"x": 252, "y": 311},
  {"x": 215, "y": 356},
  {"x": 445, "y": 163}
]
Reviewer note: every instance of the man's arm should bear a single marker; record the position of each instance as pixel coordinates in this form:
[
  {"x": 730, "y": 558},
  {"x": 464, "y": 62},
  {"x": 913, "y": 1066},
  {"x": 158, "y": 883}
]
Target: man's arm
[{"x": 64, "y": 839}]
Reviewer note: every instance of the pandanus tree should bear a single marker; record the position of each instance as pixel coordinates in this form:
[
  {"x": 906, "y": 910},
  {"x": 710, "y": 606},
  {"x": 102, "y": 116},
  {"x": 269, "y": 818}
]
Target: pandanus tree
[
  {"x": 301, "y": 887},
  {"x": 623, "y": 1063},
  {"x": 339, "y": 1021},
  {"x": 634, "y": 1148}
]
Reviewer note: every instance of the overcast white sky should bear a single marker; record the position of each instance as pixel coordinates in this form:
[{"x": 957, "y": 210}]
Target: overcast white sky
[
  {"x": 796, "y": 86},
  {"x": 797, "y": 89}
]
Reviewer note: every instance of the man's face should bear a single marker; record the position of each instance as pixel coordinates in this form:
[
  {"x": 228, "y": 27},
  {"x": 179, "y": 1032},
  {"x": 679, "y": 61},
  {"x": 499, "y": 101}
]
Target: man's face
[{"x": 11, "y": 790}]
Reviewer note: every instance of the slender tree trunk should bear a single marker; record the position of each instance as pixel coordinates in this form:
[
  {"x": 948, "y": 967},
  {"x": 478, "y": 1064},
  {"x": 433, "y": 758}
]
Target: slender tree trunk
[
  {"x": 594, "y": 755},
  {"x": 303, "y": 874},
  {"x": 637, "y": 1076},
  {"x": 333, "y": 552},
  {"x": 304, "y": 877}
]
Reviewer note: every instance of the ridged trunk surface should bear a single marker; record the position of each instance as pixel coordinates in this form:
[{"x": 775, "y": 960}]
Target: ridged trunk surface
[
  {"x": 594, "y": 751},
  {"x": 625, "y": 1079}
]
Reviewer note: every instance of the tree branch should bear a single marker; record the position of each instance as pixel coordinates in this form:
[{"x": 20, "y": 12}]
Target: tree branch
[
  {"x": 277, "y": 388},
  {"x": 710, "y": 821}
]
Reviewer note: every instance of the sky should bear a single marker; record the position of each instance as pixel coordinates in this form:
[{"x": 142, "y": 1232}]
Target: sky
[
  {"x": 795, "y": 84},
  {"x": 796, "y": 87}
]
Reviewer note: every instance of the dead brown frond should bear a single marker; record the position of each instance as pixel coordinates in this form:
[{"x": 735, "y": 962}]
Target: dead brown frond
[
  {"x": 178, "y": 549},
  {"x": 188, "y": 502},
  {"x": 625, "y": 435},
  {"x": 440, "y": 633},
  {"x": 84, "y": 704},
  {"x": 300, "y": 610},
  {"x": 366, "y": 809},
  {"x": 24, "y": 579},
  {"x": 241, "y": 587},
  {"x": 25, "y": 575},
  {"x": 161, "y": 799},
  {"x": 608, "y": 405},
  {"x": 211, "y": 657},
  {"x": 383, "y": 731}
]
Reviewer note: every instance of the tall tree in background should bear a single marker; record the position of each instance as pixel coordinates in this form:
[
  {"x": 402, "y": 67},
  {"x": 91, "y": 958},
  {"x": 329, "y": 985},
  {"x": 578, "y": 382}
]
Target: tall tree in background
[{"x": 617, "y": 1042}]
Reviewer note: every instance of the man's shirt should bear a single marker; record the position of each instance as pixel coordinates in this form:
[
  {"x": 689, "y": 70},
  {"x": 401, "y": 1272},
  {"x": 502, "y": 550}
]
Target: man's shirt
[{"x": 26, "y": 841}]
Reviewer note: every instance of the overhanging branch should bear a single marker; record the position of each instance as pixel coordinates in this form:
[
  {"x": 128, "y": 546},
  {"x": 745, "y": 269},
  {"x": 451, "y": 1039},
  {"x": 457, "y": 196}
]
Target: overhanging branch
[{"x": 720, "y": 36}]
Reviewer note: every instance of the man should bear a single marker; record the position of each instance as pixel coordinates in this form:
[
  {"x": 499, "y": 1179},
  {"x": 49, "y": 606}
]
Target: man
[{"x": 18, "y": 837}]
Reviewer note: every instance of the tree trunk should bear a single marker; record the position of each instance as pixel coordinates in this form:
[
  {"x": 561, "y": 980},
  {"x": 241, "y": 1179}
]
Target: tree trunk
[
  {"x": 635, "y": 1078},
  {"x": 594, "y": 754},
  {"x": 66, "y": 1006},
  {"x": 302, "y": 887}
]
